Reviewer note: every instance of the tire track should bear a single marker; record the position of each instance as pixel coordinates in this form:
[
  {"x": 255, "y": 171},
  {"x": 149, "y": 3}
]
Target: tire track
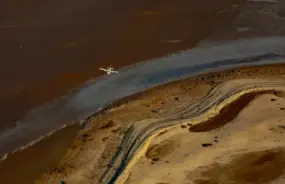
[{"x": 199, "y": 113}]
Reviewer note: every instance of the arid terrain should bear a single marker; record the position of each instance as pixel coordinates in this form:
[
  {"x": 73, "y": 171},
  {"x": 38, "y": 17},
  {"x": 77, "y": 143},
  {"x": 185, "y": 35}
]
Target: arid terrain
[{"x": 188, "y": 131}]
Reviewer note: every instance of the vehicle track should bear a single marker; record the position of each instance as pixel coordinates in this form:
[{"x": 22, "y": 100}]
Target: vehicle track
[{"x": 133, "y": 143}]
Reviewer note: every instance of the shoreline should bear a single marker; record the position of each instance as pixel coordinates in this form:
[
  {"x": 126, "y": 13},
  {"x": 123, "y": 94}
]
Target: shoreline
[
  {"x": 83, "y": 102},
  {"x": 270, "y": 70},
  {"x": 82, "y": 36},
  {"x": 84, "y": 122},
  {"x": 38, "y": 157},
  {"x": 247, "y": 72}
]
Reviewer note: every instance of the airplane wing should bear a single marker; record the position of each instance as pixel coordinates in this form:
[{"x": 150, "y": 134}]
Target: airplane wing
[
  {"x": 103, "y": 69},
  {"x": 109, "y": 71}
]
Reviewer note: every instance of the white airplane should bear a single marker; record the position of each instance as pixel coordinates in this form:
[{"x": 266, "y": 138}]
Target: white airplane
[{"x": 108, "y": 70}]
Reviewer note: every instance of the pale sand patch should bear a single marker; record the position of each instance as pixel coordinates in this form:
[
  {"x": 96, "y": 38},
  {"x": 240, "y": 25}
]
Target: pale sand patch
[
  {"x": 258, "y": 127},
  {"x": 246, "y": 87}
]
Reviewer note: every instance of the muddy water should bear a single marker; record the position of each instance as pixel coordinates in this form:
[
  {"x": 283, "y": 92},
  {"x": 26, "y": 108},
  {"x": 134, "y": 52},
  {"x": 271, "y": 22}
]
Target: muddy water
[
  {"x": 48, "y": 47},
  {"x": 28, "y": 164}
]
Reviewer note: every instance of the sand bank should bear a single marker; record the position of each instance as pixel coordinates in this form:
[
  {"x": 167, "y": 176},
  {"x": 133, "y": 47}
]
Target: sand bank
[{"x": 118, "y": 140}]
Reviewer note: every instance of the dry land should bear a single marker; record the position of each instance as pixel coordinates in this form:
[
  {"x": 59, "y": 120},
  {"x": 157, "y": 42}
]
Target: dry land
[{"x": 189, "y": 131}]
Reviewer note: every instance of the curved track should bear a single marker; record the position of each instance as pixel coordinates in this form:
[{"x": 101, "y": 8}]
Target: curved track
[{"x": 135, "y": 140}]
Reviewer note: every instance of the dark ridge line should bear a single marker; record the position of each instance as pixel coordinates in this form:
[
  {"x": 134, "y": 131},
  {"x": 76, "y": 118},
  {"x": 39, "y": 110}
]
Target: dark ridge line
[
  {"x": 116, "y": 155},
  {"x": 129, "y": 154},
  {"x": 228, "y": 113}
]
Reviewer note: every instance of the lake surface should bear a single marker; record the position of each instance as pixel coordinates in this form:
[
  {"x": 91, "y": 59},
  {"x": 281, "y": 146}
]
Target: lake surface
[{"x": 49, "y": 47}]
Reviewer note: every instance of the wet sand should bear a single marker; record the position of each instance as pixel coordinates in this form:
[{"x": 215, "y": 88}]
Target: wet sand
[
  {"x": 50, "y": 47},
  {"x": 26, "y": 165}
]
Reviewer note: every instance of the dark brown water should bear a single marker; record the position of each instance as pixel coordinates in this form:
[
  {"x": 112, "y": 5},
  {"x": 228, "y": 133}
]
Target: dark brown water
[
  {"x": 48, "y": 47},
  {"x": 25, "y": 166}
]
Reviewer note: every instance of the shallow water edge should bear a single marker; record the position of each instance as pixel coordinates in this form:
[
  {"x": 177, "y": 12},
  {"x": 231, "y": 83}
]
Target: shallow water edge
[{"x": 98, "y": 93}]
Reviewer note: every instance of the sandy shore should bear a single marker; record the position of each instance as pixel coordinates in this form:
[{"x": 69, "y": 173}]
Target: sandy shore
[{"x": 162, "y": 127}]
